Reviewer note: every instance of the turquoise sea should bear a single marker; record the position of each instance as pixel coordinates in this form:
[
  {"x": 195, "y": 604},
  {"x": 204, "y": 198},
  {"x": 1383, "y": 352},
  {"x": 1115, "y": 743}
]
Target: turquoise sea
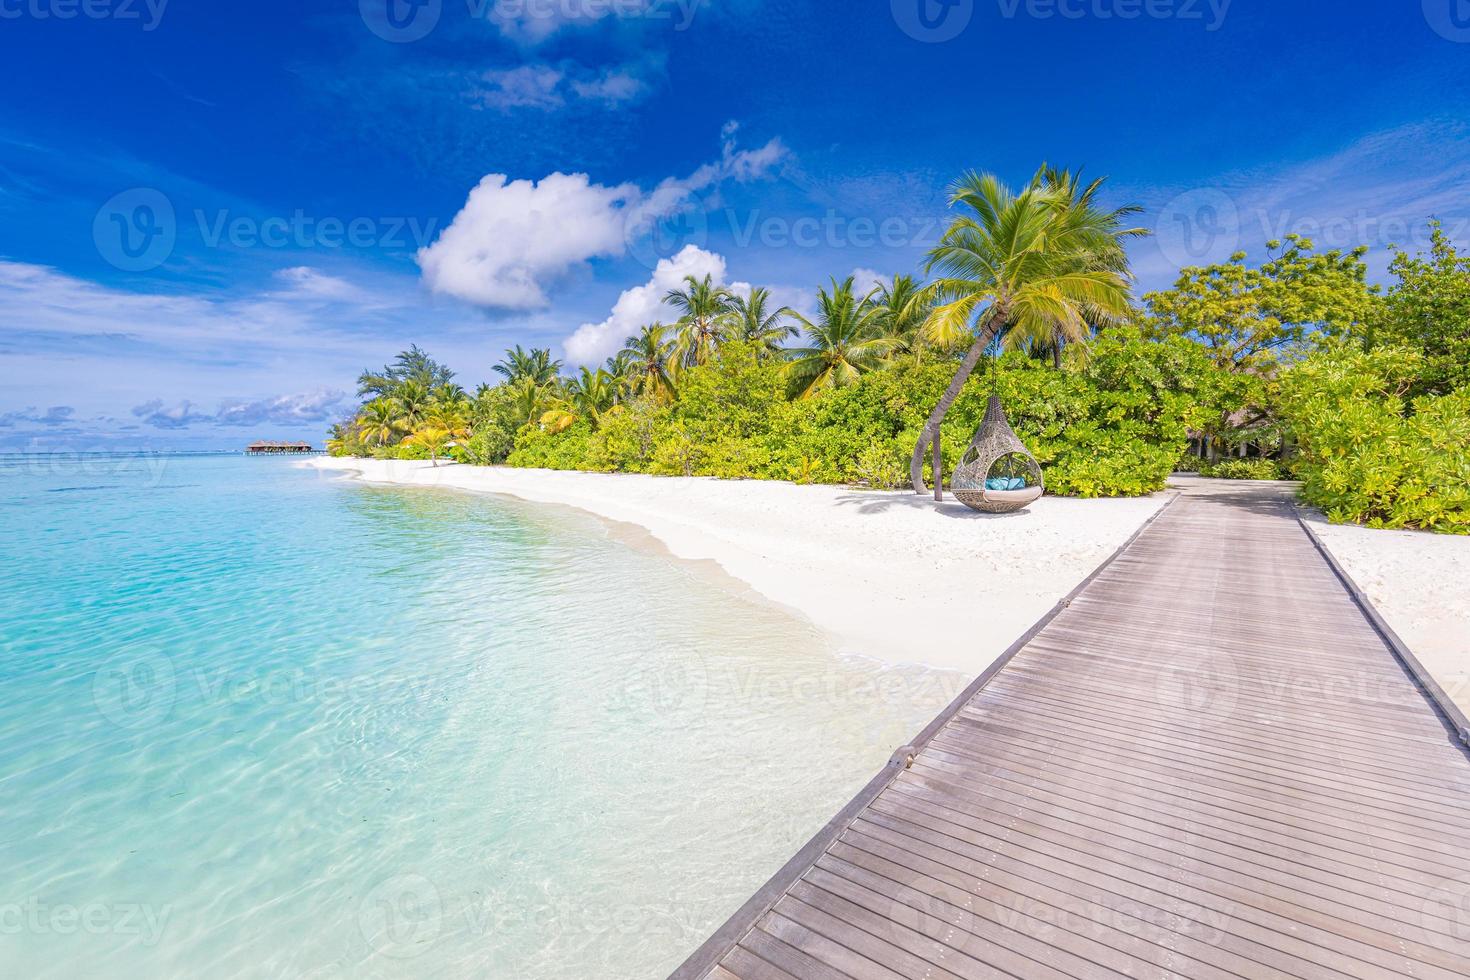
[{"x": 258, "y": 721}]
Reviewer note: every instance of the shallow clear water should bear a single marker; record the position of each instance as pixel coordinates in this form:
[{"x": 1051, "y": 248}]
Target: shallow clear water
[{"x": 256, "y": 721}]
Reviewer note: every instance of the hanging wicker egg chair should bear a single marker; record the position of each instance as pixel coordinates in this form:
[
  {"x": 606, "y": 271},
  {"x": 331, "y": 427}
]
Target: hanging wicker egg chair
[{"x": 997, "y": 474}]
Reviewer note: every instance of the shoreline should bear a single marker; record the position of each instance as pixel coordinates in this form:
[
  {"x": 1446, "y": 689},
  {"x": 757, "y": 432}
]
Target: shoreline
[{"x": 886, "y": 575}]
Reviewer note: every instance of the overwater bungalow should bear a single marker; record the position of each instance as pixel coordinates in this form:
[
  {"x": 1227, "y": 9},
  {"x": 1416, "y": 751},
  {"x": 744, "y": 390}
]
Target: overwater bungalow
[{"x": 272, "y": 448}]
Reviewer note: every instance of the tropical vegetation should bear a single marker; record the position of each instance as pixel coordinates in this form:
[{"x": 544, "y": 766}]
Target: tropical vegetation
[{"x": 1297, "y": 366}]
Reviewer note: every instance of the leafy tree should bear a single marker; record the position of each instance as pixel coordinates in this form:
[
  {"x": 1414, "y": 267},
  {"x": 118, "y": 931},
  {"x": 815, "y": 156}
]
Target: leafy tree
[
  {"x": 703, "y": 308},
  {"x": 410, "y": 365},
  {"x": 1023, "y": 261},
  {"x": 752, "y": 319},
  {"x": 1372, "y": 452},
  {"x": 1252, "y": 321},
  {"x": 1255, "y": 319},
  {"x": 1428, "y": 310},
  {"x": 846, "y": 339}
]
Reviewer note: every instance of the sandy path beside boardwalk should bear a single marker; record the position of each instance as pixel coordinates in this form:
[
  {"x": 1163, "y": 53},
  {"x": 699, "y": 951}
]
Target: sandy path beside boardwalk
[
  {"x": 887, "y": 575},
  {"x": 1420, "y": 583}
]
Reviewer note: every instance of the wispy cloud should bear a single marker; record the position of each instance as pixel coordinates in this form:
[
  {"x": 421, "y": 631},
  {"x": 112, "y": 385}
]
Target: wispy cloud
[
  {"x": 287, "y": 410},
  {"x": 547, "y": 88},
  {"x": 1380, "y": 190},
  {"x": 56, "y": 415}
]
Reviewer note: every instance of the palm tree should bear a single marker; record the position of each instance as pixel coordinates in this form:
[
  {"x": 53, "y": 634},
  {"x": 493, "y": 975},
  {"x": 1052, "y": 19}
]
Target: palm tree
[
  {"x": 1069, "y": 186},
  {"x": 903, "y": 308},
  {"x": 623, "y": 371},
  {"x": 535, "y": 364},
  {"x": 450, "y": 414},
  {"x": 702, "y": 306},
  {"x": 529, "y": 400},
  {"x": 412, "y": 399},
  {"x": 592, "y": 393},
  {"x": 752, "y": 321},
  {"x": 1028, "y": 262},
  {"x": 432, "y": 438},
  {"x": 650, "y": 353},
  {"x": 846, "y": 340},
  {"x": 379, "y": 421}
]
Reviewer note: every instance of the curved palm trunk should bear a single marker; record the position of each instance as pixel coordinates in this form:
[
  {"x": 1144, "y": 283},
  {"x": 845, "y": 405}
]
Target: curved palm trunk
[{"x": 930, "y": 434}]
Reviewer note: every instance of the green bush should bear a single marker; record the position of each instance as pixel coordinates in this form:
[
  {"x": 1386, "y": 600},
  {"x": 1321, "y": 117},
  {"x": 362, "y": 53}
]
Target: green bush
[
  {"x": 1111, "y": 423},
  {"x": 1371, "y": 455},
  {"x": 539, "y": 448},
  {"x": 1242, "y": 469}
]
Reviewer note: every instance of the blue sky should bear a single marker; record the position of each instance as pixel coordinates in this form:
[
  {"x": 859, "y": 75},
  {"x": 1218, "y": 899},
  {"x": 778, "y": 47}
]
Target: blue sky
[{"x": 212, "y": 217}]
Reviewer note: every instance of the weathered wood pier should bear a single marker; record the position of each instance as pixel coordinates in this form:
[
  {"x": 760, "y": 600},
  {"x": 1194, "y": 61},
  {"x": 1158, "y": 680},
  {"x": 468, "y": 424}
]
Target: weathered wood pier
[{"x": 1212, "y": 760}]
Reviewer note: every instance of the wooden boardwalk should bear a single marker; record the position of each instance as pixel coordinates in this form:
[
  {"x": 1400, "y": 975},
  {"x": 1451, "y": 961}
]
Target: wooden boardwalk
[{"x": 1211, "y": 761}]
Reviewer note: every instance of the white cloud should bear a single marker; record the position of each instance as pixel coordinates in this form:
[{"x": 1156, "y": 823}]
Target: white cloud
[
  {"x": 304, "y": 282},
  {"x": 546, "y": 88},
  {"x": 513, "y": 238},
  {"x": 866, "y": 280},
  {"x": 529, "y": 86},
  {"x": 613, "y": 87},
  {"x": 641, "y": 305}
]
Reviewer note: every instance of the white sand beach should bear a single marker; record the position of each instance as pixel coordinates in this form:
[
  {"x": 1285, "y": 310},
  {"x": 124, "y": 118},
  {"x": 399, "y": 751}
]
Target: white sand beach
[
  {"x": 890, "y": 577},
  {"x": 1420, "y": 583},
  {"x": 883, "y": 573}
]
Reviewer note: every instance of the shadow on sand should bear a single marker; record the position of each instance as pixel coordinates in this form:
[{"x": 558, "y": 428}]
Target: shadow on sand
[{"x": 882, "y": 502}]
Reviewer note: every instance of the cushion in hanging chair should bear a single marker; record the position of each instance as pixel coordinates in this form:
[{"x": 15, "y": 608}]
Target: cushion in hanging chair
[
  {"x": 997, "y": 501},
  {"x": 1005, "y": 483}
]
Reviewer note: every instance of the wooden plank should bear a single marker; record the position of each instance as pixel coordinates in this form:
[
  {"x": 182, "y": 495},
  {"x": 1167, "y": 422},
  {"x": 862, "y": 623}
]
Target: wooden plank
[{"x": 1068, "y": 817}]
